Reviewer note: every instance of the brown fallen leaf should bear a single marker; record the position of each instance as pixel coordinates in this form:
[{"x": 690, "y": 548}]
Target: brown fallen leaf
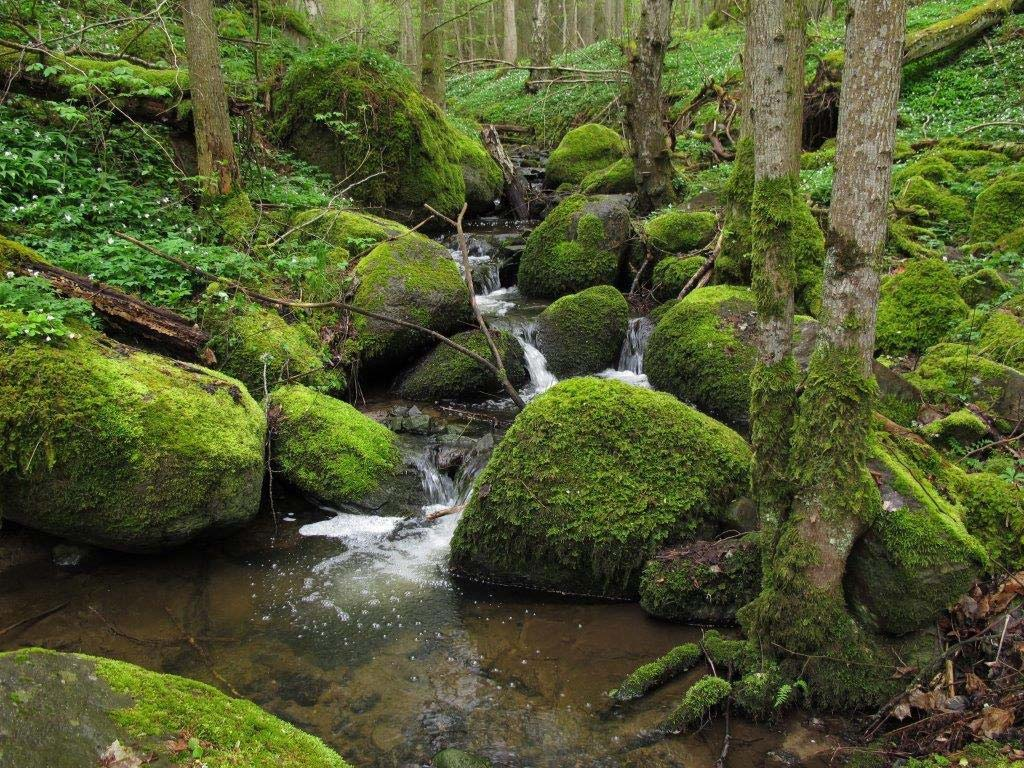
[
  {"x": 993, "y": 722},
  {"x": 118, "y": 756},
  {"x": 975, "y": 684}
]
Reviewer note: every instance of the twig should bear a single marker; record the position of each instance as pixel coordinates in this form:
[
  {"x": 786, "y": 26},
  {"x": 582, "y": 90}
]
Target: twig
[
  {"x": 704, "y": 273},
  {"x": 34, "y": 618}
]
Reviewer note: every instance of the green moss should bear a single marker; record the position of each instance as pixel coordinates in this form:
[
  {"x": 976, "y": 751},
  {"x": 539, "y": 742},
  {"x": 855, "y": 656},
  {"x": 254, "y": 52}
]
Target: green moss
[
  {"x": 237, "y": 218},
  {"x": 671, "y": 275},
  {"x": 949, "y": 374},
  {"x": 930, "y": 167},
  {"x": 105, "y": 444},
  {"x": 705, "y": 583},
  {"x": 353, "y": 231},
  {"x": 1001, "y": 338},
  {"x": 917, "y": 307},
  {"x": 353, "y": 112},
  {"x": 933, "y": 201},
  {"x": 581, "y": 151},
  {"x": 589, "y": 481},
  {"x": 617, "y": 178},
  {"x": 703, "y": 351},
  {"x": 733, "y": 264},
  {"x": 962, "y": 427},
  {"x": 481, "y": 175},
  {"x": 327, "y": 448},
  {"x": 681, "y": 231},
  {"x": 909, "y": 240},
  {"x": 822, "y": 157},
  {"x": 583, "y": 333},
  {"x": 456, "y": 758},
  {"x": 251, "y": 341},
  {"x": 1012, "y": 241},
  {"x": 76, "y": 706},
  {"x": 698, "y": 703},
  {"x": 994, "y": 514},
  {"x": 997, "y": 210},
  {"x": 983, "y": 286},
  {"x": 658, "y": 672},
  {"x": 412, "y": 279},
  {"x": 446, "y": 373},
  {"x": 569, "y": 251}
]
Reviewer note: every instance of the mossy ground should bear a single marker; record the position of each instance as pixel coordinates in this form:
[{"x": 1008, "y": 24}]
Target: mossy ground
[
  {"x": 671, "y": 275},
  {"x": 327, "y": 448},
  {"x": 446, "y": 373},
  {"x": 917, "y": 307},
  {"x": 105, "y": 444},
  {"x": 148, "y": 711},
  {"x": 583, "y": 333},
  {"x": 591, "y": 478}
]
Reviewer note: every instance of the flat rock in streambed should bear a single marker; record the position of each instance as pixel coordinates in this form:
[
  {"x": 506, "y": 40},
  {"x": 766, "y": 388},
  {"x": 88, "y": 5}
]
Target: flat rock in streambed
[{"x": 64, "y": 710}]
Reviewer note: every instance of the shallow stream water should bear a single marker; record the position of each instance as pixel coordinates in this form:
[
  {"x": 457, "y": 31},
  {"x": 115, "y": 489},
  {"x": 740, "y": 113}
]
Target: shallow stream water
[{"x": 349, "y": 626}]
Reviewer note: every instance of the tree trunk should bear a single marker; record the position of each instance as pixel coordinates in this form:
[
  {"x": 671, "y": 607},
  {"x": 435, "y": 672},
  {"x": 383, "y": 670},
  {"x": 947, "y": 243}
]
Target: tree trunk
[
  {"x": 510, "y": 43},
  {"x": 775, "y": 71},
  {"x": 218, "y": 167},
  {"x": 408, "y": 42},
  {"x": 645, "y": 110},
  {"x": 540, "y": 54},
  {"x": 572, "y": 23},
  {"x": 802, "y": 606},
  {"x": 432, "y": 50},
  {"x": 586, "y": 24}
]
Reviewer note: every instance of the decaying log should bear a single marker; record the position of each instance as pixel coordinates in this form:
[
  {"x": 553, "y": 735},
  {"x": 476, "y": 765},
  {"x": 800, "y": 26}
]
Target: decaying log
[
  {"x": 516, "y": 190},
  {"x": 123, "y": 312}
]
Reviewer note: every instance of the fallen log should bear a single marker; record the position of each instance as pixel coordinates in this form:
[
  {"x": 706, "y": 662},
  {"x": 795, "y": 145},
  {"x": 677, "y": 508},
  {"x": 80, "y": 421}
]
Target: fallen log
[
  {"x": 516, "y": 189},
  {"x": 121, "y": 311}
]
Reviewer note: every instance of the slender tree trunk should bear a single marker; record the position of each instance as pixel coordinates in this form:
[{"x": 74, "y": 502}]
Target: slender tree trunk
[
  {"x": 540, "y": 54},
  {"x": 775, "y": 71},
  {"x": 432, "y": 50},
  {"x": 510, "y": 43},
  {"x": 645, "y": 110},
  {"x": 218, "y": 166},
  {"x": 586, "y": 24},
  {"x": 572, "y": 23},
  {"x": 409, "y": 43}
]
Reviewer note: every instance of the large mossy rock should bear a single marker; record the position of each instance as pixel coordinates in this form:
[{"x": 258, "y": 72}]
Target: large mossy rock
[
  {"x": 578, "y": 245},
  {"x": 671, "y": 275},
  {"x": 447, "y": 374},
  {"x": 412, "y": 279},
  {"x": 997, "y": 210},
  {"x": 351, "y": 231},
  {"x": 582, "y": 151},
  {"x": 675, "y": 232},
  {"x": 917, "y": 556},
  {"x": 931, "y": 201},
  {"x": 590, "y": 480},
  {"x": 703, "y": 350},
  {"x": 353, "y": 111},
  {"x": 583, "y": 333},
  {"x": 950, "y": 374},
  {"x": 994, "y": 514},
  {"x": 260, "y": 348},
  {"x": 328, "y": 449},
  {"x": 619, "y": 178},
  {"x": 104, "y": 444},
  {"x": 1000, "y": 337},
  {"x": 918, "y": 307},
  {"x": 704, "y": 582},
  {"x": 983, "y": 286},
  {"x": 65, "y": 710}
]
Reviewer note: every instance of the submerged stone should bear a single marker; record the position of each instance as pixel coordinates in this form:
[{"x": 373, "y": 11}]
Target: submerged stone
[
  {"x": 103, "y": 444},
  {"x": 589, "y": 481}
]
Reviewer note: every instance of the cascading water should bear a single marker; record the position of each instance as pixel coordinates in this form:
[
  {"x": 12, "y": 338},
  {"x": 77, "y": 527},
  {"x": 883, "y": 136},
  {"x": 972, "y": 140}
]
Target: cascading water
[
  {"x": 541, "y": 378},
  {"x": 632, "y": 357}
]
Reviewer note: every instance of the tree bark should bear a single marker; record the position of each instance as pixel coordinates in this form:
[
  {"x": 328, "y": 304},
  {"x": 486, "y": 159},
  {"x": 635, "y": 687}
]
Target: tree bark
[
  {"x": 510, "y": 43},
  {"x": 645, "y": 109},
  {"x": 540, "y": 53},
  {"x": 218, "y": 166},
  {"x": 516, "y": 189},
  {"x": 408, "y": 42},
  {"x": 432, "y": 50}
]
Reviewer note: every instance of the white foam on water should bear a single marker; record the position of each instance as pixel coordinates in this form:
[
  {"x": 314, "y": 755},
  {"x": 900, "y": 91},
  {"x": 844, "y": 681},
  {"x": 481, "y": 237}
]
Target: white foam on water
[{"x": 627, "y": 377}]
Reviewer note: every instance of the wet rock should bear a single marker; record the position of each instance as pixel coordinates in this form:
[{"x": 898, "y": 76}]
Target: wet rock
[{"x": 412, "y": 421}]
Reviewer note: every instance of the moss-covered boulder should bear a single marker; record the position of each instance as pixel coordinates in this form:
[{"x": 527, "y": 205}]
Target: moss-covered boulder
[
  {"x": 617, "y": 179},
  {"x": 931, "y": 167},
  {"x": 413, "y": 279},
  {"x": 447, "y": 374},
  {"x": 581, "y": 151},
  {"x": 353, "y": 112},
  {"x": 671, "y": 275},
  {"x": 931, "y": 201},
  {"x": 983, "y": 286},
  {"x": 961, "y": 427},
  {"x": 918, "y": 307},
  {"x": 994, "y": 514},
  {"x": 260, "y": 348},
  {"x": 950, "y": 374},
  {"x": 703, "y": 350},
  {"x": 997, "y": 209},
  {"x": 352, "y": 231},
  {"x": 1000, "y": 337},
  {"x": 578, "y": 245},
  {"x": 916, "y": 557},
  {"x": 328, "y": 449},
  {"x": 676, "y": 232},
  {"x": 583, "y": 333},
  {"x": 704, "y": 582},
  {"x": 104, "y": 444},
  {"x": 65, "y": 710},
  {"x": 591, "y": 479}
]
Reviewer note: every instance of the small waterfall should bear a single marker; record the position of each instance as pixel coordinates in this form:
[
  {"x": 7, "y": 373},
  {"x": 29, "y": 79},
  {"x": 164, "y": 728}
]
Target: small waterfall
[
  {"x": 541, "y": 378},
  {"x": 632, "y": 357},
  {"x": 485, "y": 270},
  {"x": 440, "y": 488}
]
